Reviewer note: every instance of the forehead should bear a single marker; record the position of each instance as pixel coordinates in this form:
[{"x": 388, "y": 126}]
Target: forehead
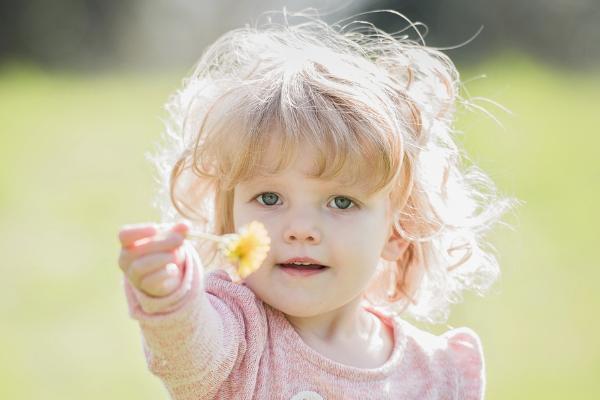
[
  {"x": 307, "y": 161},
  {"x": 344, "y": 156}
]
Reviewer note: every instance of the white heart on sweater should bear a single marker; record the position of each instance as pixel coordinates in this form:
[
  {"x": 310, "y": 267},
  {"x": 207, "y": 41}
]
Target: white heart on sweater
[{"x": 307, "y": 395}]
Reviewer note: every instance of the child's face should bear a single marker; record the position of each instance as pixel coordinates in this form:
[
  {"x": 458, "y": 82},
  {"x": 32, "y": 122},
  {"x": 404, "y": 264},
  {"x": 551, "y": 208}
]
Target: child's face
[{"x": 340, "y": 226}]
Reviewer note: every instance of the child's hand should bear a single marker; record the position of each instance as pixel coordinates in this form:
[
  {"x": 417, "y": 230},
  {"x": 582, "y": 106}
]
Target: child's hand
[{"x": 152, "y": 259}]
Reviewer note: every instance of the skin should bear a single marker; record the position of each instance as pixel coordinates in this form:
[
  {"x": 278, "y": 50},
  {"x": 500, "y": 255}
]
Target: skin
[
  {"x": 150, "y": 259},
  {"x": 340, "y": 225},
  {"x": 310, "y": 217}
]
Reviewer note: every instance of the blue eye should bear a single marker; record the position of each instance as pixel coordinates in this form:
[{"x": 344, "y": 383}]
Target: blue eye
[
  {"x": 342, "y": 203},
  {"x": 267, "y": 199}
]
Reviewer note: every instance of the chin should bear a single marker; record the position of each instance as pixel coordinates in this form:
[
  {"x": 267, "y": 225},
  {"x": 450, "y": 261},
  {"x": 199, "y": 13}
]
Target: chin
[
  {"x": 298, "y": 312},
  {"x": 295, "y": 307}
]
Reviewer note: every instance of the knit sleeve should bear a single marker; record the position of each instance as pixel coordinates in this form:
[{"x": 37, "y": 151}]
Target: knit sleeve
[
  {"x": 466, "y": 351},
  {"x": 190, "y": 344}
]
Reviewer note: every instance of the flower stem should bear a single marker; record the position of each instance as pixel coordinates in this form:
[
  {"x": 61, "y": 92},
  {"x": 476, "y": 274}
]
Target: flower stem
[{"x": 203, "y": 235}]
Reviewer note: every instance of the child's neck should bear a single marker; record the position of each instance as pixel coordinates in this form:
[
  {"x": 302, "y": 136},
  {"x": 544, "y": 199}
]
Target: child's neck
[
  {"x": 349, "y": 335},
  {"x": 346, "y": 323}
]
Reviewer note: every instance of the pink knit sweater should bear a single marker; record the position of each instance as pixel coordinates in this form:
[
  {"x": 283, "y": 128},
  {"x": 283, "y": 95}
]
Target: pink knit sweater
[{"x": 214, "y": 339}]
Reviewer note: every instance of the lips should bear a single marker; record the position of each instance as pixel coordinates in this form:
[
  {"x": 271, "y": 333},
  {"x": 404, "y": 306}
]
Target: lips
[
  {"x": 302, "y": 263},
  {"x": 309, "y": 266}
]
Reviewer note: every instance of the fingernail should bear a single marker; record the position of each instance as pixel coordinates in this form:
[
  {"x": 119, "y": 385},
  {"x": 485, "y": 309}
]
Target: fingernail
[
  {"x": 181, "y": 227},
  {"x": 172, "y": 269}
]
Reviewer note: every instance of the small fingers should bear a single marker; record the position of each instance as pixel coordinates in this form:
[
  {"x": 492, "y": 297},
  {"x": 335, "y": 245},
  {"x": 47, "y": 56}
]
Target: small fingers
[
  {"x": 148, "y": 264},
  {"x": 162, "y": 282},
  {"x": 129, "y": 234},
  {"x": 138, "y": 240},
  {"x": 155, "y": 245},
  {"x": 150, "y": 255}
]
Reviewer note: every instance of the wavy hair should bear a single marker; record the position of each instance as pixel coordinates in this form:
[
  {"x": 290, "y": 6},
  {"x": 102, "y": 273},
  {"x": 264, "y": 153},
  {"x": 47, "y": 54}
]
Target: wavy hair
[{"x": 377, "y": 103}]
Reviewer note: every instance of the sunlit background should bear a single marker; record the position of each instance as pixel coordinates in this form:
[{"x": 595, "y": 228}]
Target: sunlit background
[{"x": 82, "y": 84}]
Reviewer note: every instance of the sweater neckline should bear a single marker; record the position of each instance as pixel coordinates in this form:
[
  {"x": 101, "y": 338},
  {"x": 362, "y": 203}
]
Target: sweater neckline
[{"x": 295, "y": 342}]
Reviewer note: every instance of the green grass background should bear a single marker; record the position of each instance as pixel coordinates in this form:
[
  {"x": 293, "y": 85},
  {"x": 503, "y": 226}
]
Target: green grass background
[{"x": 73, "y": 170}]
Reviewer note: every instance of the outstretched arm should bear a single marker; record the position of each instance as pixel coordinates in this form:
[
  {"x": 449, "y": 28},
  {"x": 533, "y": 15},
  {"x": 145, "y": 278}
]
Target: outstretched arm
[{"x": 188, "y": 342}]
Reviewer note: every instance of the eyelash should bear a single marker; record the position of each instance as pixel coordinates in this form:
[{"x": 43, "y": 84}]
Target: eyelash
[{"x": 353, "y": 204}]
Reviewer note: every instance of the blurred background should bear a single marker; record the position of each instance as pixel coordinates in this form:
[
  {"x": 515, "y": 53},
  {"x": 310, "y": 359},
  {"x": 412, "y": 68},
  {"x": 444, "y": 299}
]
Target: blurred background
[{"x": 82, "y": 85}]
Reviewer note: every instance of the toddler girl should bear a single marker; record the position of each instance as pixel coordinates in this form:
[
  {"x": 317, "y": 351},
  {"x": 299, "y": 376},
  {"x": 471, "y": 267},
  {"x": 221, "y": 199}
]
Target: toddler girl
[{"x": 338, "y": 140}]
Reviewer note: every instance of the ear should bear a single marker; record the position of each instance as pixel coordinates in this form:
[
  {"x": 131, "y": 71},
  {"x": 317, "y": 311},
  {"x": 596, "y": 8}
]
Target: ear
[{"x": 395, "y": 247}]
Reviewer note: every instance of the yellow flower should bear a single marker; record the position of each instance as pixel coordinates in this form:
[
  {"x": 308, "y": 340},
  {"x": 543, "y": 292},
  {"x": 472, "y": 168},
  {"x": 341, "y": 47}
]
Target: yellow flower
[{"x": 248, "y": 249}]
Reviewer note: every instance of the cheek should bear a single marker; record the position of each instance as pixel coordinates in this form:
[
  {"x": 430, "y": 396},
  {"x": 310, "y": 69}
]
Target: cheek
[
  {"x": 357, "y": 246},
  {"x": 367, "y": 233},
  {"x": 242, "y": 214}
]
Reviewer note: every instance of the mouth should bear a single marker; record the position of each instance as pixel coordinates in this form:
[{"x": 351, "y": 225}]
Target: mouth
[
  {"x": 302, "y": 268},
  {"x": 308, "y": 267}
]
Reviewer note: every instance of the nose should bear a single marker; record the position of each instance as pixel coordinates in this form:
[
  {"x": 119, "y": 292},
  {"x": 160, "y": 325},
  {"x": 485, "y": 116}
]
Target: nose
[{"x": 302, "y": 232}]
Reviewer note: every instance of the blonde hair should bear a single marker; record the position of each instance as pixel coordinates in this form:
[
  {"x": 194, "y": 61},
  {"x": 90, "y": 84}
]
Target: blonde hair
[{"x": 366, "y": 100}]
